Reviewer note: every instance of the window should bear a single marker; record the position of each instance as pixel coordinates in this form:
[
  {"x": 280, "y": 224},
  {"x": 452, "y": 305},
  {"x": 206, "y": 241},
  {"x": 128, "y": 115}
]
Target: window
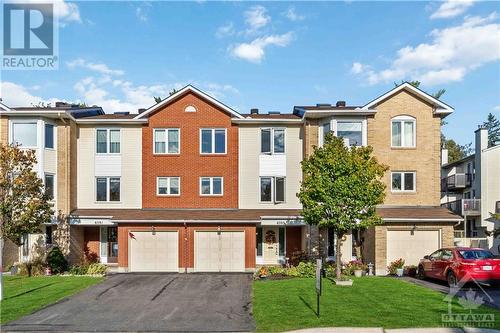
[
  {"x": 403, "y": 181},
  {"x": 272, "y": 189},
  {"x": 49, "y": 186},
  {"x": 403, "y": 131},
  {"x": 190, "y": 108},
  {"x": 272, "y": 140},
  {"x": 351, "y": 131},
  {"x": 107, "y": 189},
  {"x": 168, "y": 186},
  {"x": 166, "y": 141},
  {"x": 281, "y": 241},
  {"x": 211, "y": 185},
  {"x": 48, "y": 234},
  {"x": 259, "y": 241},
  {"x": 213, "y": 141},
  {"x": 24, "y": 134},
  {"x": 49, "y": 136},
  {"x": 108, "y": 141},
  {"x": 326, "y": 128}
]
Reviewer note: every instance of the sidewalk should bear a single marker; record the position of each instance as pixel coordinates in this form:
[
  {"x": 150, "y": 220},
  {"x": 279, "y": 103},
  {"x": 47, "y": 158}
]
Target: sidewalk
[{"x": 399, "y": 330}]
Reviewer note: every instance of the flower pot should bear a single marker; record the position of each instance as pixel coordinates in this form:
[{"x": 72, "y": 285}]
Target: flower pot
[
  {"x": 358, "y": 273},
  {"x": 399, "y": 272}
]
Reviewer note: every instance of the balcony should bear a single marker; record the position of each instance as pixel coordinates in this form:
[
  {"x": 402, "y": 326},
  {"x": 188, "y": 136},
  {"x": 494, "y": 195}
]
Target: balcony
[
  {"x": 456, "y": 181},
  {"x": 474, "y": 241},
  {"x": 469, "y": 207}
]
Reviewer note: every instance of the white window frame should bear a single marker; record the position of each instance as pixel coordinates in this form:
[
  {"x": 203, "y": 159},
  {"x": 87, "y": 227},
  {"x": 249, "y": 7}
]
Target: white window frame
[
  {"x": 272, "y": 129},
  {"x": 168, "y": 186},
  {"x": 166, "y": 129},
  {"x": 213, "y": 141},
  {"x": 108, "y": 140},
  {"x": 190, "y": 108},
  {"x": 273, "y": 190},
  {"x": 402, "y": 120},
  {"x": 363, "y": 122},
  {"x": 27, "y": 121},
  {"x": 402, "y": 190},
  {"x": 108, "y": 189},
  {"x": 55, "y": 184},
  {"x": 211, "y": 194}
]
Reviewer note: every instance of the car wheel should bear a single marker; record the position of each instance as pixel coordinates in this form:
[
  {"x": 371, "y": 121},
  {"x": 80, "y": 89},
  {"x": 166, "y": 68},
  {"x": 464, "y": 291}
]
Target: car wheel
[
  {"x": 420, "y": 273},
  {"x": 452, "y": 279}
]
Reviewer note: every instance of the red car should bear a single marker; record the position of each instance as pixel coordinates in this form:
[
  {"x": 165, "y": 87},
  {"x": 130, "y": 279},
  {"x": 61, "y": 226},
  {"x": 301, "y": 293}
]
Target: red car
[{"x": 454, "y": 264}]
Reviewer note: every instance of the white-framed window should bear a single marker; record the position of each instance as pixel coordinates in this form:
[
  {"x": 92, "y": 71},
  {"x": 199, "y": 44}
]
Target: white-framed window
[
  {"x": 211, "y": 186},
  {"x": 272, "y": 140},
  {"x": 403, "y": 181},
  {"x": 25, "y": 134},
  {"x": 166, "y": 141},
  {"x": 168, "y": 186},
  {"x": 324, "y": 129},
  {"x": 190, "y": 108},
  {"x": 403, "y": 131},
  {"x": 351, "y": 131},
  {"x": 213, "y": 141},
  {"x": 108, "y": 141},
  {"x": 108, "y": 189},
  {"x": 272, "y": 189},
  {"x": 49, "y": 183},
  {"x": 49, "y": 136}
]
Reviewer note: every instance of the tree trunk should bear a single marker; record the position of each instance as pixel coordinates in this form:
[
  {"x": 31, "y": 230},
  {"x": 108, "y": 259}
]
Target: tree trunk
[
  {"x": 1, "y": 268},
  {"x": 338, "y": 256}
]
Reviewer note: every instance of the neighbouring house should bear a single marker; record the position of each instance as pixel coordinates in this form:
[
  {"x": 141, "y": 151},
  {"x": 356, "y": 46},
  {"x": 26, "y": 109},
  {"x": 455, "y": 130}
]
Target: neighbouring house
[
  {"x": 470, "y": 187},
  {"x": 192, "y": 185}
]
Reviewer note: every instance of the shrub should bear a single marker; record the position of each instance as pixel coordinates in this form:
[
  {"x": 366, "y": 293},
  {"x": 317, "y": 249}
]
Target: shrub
[
  {"x": 306, "y": 269},
  {"x": 276, "y": 270},
  {"x": 32, "y": 268},
  {"x": 410, "y": 270},
  {"x": 400, "y": 263},
  {"x": 80, "y": 269},
  {"x": 56, "y": 261},
  {"x": 97, "y": 269}
]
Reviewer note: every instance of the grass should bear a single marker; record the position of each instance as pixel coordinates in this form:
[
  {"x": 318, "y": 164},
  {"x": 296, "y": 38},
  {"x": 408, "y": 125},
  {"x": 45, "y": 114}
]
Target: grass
[
  {"x": 290, "y": 304},
  {"x": 25, "y": 295}
]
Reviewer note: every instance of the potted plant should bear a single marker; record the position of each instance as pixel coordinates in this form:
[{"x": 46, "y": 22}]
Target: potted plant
[
  {"x": 263, "y": 272},
  {"x": 397, "y": 267},
  {"x": 358, "y": 267}
]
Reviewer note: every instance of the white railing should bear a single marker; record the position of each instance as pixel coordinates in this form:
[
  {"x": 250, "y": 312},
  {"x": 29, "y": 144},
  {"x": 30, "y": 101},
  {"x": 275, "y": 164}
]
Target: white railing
[{"x": 472, "y": 242}]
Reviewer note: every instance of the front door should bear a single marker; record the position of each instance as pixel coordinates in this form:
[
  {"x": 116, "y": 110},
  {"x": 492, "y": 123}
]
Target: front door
[{"x": 270, "y": 251}]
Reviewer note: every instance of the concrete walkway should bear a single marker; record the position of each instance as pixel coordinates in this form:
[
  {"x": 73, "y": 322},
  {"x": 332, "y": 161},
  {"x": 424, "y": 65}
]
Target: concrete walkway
[{"x": 399, "y": 330}]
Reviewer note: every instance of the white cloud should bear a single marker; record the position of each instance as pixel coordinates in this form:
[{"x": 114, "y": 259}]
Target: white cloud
[
  {"x": 141, "y": 14},
  {"x": 63, "y": 10},
  {"x": 99, "y": 68},
  {"x": 452, "y": 8},
  {"x": 452, "y": 53},
  {"x": 14, "y": 95},
  {"x": 255, "y": 50},
  {"x": 256, "y": 18},
  {"x": 219, "y": 90},
  {"x": 292, "y": 15},
  {"x": 225, "y": 30}
]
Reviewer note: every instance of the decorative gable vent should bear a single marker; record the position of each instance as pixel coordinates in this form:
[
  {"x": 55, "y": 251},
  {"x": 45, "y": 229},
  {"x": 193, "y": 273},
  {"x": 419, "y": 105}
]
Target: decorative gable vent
[{"x": 190, "y": 108}]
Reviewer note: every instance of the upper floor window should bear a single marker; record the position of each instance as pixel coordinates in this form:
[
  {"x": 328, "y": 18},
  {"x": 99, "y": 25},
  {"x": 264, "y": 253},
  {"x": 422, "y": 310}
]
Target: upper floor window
[
  {"x": 272, "y": 140},
  {"x": 108, "y": 141},
  {"x": 190, "y": 108},
  {"x": 166, "y": 141},
  {"x": 108, "y": 189},
  {"x": 403, "y": 181},
  {"x": 211, "y": 186},
  {"x": 24, "y": 134},
  {"x": 213, "y": 141},
  {"x": 272, "y": 189},
  {"x": 168, "y": 186},
  {"x": 403, "y": 131},
  {"x": 49, "y": 185},
  {"x": 351, "y": 131},
  {"x": 49, "y": 136}
]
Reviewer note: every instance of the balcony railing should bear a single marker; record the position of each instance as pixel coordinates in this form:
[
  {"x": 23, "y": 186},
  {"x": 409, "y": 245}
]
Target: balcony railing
[
  {"x": 472, "y": 242},
  {"x": 470, "y": 207},
  {"x": 456, "y": 181}
]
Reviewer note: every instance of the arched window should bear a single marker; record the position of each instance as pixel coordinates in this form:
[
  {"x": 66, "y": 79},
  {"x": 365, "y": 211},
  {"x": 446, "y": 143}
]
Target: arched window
[
  {"x": 190, "y": 108},
  {"x": 403, "y": 131}
]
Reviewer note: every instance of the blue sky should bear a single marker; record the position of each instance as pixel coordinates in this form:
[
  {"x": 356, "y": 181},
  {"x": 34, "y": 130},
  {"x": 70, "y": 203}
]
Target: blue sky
[{"x": 272, "y": 55}]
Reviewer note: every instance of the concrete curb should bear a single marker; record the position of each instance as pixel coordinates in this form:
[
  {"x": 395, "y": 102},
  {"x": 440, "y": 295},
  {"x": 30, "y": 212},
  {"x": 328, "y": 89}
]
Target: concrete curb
[{"x": 398, "y": 330}]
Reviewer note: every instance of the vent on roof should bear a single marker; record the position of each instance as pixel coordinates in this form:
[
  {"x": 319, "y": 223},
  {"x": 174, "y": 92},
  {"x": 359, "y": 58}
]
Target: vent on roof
[
  {"x": 274, "y": 112},
  {"x": 62, "y": 104},
  {"x": 254, "y": 111},
  {"x": 124, "y": 113},
  {"x": 340, "y": 104},
  {"x": 319, "y": 105},
  {"x": 141, "y": 110}
]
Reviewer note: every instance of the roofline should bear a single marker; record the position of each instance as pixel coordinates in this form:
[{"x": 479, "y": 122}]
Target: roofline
[
  {"x": 4, "y": 107},
  {"x": 182, "y": 91},
  {"x": 111, "y": 120},
  {"x": 186, "y": 221},
  {"x": 445, "y": 108},
  {"x": 266, "y": 120},
  {"x": 463, "y": 159},
  {"x": 430, "y": 219},
  {"x": 359, "y": 112},
  {"x": 14, "y": 112}
]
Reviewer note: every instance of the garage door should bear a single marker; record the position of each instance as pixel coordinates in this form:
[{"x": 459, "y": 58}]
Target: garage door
[
  {"x": 219, "y": 251},
  {"x": 156, "y": 251},
  {"x": 411, "y": 246}
]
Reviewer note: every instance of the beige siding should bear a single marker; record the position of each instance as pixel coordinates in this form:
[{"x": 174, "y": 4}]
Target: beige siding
[
  {"x": 50, "y": 161},
  {"x": 131, "y": 168},
  {"x": 249, "y": 156},
  {"x": 4, "y": 130}
]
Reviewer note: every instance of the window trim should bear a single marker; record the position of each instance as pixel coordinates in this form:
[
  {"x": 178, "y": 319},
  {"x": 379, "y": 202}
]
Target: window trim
[
  {"x": 166, "y": 129},
  {"x": 108, "y": 140},
  {"x": 108, "y": 190},
  {"x": 168, "y": 186},
  {"x": 403, "y": 182},
  {"x": 402, "y": 119},
  {"x": 213, "y": 129},
  {"x": 273, "y": 190},
  {"x": 272, "y": 129},
  {"x": 211, "y": 194}
]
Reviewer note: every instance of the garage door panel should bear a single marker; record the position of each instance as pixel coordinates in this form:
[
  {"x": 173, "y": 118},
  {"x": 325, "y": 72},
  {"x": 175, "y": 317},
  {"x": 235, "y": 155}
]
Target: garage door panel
[
  {"x": 411, "y": 246},
  {"x": 220, "y": 252},
  {"x": 154, "y": 251}
]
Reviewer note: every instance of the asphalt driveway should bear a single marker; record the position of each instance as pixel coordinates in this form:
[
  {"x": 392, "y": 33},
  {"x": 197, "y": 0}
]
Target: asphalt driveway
[{"x": 151, "y": 302}]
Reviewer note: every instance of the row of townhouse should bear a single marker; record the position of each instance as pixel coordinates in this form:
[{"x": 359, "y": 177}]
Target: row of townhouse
[{"x": 191, "y": 185}]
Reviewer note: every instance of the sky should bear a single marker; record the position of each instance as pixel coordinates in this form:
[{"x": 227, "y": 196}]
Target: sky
[{"x": 271, "y": 55}]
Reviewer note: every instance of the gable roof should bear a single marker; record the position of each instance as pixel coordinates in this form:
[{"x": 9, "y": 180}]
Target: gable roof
[
  {"x": 441, "y": 107},
  {"x": 4, "y": 107},
  {"x": 194, "y": 90}
]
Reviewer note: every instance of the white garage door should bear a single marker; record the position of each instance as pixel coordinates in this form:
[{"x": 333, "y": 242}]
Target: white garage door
[
  {"x": 411, "y": 246},
  {"x": 154, "y": 251},
  {"x": 219, "y": 251}
]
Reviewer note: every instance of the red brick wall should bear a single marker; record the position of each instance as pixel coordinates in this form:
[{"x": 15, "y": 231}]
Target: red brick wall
[
  {"x": 91, "y": 243},
  {"x": 190, "y": 165},
  {"x": 293, "y": 240}
]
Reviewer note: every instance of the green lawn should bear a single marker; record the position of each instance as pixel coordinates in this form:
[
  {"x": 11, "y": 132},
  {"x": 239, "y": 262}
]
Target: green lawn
[
  {"x": 24, "y": 295},
  {"x": 282, "y": 305}
]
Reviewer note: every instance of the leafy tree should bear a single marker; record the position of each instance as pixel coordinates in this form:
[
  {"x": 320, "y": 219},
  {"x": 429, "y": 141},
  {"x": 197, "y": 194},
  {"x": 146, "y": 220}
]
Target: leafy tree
[
  {"x": 340, "y": 188},
  {"x": 492, "y": 124},
  {"x": 416, "y": 84},
  {"x": 24, "y": 205},
  {"x": 455, "y": 151},
  {"x": 158, "y": 99}
]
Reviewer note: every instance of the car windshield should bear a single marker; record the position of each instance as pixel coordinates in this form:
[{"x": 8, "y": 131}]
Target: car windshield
[{"x": 476, "y": 254}]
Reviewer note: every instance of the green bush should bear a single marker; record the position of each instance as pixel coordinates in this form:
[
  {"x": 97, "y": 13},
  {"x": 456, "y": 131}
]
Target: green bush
[
  {"x": 80, "y": 269},
  {"x": 306, "y": 269},
  {"x": 56, "y": 261},
  {"x": 97, "y": 269},
  {"x": 277, "y": 270}
]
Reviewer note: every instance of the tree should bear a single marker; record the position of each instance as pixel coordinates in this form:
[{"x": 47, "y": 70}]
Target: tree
[
  {"x": 340, "y": 188},
  {"x": 158, "y": 99},
  {"x": 416, "y": 84},
  {"x": 455, "y": 151},
  {"x": 24, "y": 205},
  {"x": 492, "y": 124}
]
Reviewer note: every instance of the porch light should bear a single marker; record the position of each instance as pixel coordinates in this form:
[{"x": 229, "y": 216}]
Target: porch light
[
  {"x": 218, "y": 230},
  {"x": 153, "y": 231},
  {"x": 413, "y": 229}
]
